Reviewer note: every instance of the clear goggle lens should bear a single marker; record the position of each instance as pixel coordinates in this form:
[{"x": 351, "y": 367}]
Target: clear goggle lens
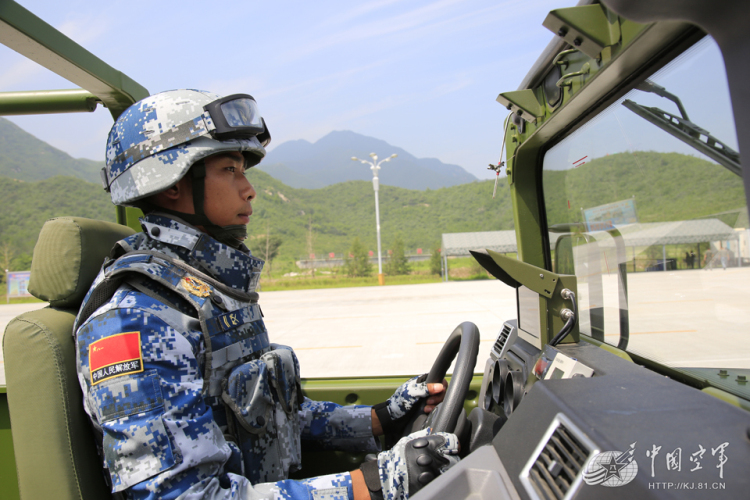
[{"x": 242, "y": 112}]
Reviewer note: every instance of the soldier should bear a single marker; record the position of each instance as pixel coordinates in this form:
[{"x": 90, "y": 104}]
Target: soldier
[{"x": 186, "y": 393}]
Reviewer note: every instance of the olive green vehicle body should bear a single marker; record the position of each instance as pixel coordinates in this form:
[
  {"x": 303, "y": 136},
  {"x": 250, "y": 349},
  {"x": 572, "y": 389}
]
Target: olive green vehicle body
[{"x": 613, "y": 53}]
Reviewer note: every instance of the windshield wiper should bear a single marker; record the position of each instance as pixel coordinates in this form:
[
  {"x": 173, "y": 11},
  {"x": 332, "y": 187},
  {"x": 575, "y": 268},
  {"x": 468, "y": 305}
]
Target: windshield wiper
[{"x": 683, "y": 129}]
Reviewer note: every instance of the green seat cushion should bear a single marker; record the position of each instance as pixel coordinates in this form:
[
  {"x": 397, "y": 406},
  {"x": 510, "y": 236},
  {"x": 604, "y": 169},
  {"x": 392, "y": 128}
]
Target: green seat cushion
[
  {"x": 67, "y": 257},
  {"x": 53, "y": 439}
]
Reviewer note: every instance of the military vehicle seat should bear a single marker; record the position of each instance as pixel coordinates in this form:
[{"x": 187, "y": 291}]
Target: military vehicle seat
[{"x": 54, "y": 445}]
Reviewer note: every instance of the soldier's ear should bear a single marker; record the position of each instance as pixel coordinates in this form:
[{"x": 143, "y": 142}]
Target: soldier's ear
[
  {"x": 178, "y": 197},
  {"x": 172, "y": 193},
  {"x": 182, "y": 188}
]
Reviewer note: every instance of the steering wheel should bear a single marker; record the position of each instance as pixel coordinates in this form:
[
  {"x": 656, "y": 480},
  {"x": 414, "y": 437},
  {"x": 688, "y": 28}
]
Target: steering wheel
[{"x": 464, "y": 341}]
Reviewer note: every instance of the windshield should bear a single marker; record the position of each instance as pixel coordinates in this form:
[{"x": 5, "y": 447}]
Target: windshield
[{"x": 646, "y": 208}]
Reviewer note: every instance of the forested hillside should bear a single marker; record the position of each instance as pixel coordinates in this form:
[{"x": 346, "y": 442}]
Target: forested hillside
[
  {"x": 339, "y": 213},
  {"x": 344, "y": 211},
  {"x": 23, "y": 156},
  {"x": 666, "y": 187},
  {"x": 26, "y": 205}
]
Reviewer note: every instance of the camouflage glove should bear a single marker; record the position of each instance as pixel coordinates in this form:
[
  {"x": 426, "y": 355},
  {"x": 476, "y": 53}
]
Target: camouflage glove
[
  {"x": 405, "y": 469},
  {"x": 393, "y": 413}
]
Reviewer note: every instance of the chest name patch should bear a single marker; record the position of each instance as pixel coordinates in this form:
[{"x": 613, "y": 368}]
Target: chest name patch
[{"x": 115, "y": 355}]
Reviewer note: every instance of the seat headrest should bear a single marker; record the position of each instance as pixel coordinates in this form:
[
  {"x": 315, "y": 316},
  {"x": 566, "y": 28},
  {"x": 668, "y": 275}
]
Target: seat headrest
[{"x": 67, "y": 257}]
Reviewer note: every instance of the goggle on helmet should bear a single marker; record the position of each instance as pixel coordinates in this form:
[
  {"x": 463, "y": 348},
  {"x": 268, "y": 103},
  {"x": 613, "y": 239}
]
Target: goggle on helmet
[{"x": 153, "y": 144}]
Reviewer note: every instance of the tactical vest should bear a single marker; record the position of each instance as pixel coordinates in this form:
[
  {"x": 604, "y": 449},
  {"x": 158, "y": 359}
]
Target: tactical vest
[{"x": 257, "y": 382}]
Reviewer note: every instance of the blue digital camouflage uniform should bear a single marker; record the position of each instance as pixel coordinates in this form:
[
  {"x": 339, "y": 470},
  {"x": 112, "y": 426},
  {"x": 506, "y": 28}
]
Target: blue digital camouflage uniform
[{"x": 181, "y": 383}]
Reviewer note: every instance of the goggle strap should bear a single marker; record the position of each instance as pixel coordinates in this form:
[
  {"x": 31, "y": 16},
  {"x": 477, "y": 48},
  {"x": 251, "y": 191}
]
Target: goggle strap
[{"x": 210, "y": 126}]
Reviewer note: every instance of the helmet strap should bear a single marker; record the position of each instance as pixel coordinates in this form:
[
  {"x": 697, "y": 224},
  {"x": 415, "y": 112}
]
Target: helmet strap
[{"x": 232, "y": 235}]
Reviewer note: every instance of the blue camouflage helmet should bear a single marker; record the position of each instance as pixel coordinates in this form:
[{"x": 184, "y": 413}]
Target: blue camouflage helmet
[{"x": 153, "y": 144}]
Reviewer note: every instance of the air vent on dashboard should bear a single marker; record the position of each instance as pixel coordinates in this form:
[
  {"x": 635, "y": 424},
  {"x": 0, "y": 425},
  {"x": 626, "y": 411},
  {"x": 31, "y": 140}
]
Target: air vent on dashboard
[
  {"x": 505, "y": 339},
  {"x": 502, "y": 339},
  {"x": 554, "y": 471}
]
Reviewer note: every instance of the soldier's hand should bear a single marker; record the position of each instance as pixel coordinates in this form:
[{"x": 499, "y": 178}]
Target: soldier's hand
[
  {"x": 411, "y": 464},
  {"x": 437, "y": 395},
  {"x": 392, "y": 414}
]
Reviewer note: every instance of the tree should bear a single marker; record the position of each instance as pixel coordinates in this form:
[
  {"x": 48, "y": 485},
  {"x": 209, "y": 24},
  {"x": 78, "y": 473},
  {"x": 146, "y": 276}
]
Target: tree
[
  {"x": 397, "y": 263},
  {"x": 436, "y": 264},
  {"x": 267, "y": 249},
  {"x": 311, "y": 244},
  {"x": 357, "y": 262},
  {"x": 7, "y": 254},
  {"x": 21, "y": 262}
]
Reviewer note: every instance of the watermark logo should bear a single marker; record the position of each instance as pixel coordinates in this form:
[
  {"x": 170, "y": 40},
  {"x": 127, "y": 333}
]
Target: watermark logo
[
  {"x": 611, "y": 468},
  {"x": 618, "y": 468}
]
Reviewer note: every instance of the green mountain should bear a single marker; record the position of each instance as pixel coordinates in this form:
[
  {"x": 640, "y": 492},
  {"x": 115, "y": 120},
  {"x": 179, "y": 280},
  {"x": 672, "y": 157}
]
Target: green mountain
[
  {"x": 666, "y": 187},
  {"x": 24, "y": 157},
  {"x": 339, "y": 212},
  {"x": 328, "y": 161}
]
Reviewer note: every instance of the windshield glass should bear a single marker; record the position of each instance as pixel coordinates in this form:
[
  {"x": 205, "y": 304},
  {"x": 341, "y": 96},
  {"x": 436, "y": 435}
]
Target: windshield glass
[{"x": 645, "y": 206}]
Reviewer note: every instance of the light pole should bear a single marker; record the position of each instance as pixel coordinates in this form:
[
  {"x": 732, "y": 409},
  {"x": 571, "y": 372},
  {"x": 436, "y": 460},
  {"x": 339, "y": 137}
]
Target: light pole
[{"x": 375, "y": 166}]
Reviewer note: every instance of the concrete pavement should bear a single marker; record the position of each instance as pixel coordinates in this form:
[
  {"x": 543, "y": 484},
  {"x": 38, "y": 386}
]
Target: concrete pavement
[
  {"x": 682, "y": 318},
  {"x": 391, "y": 330},
  {"x": 368, "y": 331}
]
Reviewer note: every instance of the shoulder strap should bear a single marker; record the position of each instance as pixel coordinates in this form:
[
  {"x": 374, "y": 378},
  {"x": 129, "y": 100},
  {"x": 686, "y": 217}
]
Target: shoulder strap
[
  {"x": 187, "y": 268},
  {"x": 144, "y": 263},
  {"x": 154, "y": 266}
]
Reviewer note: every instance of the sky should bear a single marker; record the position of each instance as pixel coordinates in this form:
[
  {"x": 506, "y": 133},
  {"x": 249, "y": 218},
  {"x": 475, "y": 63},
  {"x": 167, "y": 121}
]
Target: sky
[{"x": 421, "y": 75}]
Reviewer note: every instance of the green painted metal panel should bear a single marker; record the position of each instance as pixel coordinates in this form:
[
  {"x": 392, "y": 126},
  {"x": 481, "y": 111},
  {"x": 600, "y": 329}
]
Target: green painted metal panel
[
  {"x": 38, "y": 102},
  {"x": 370, "y": 390},
  {"x": 128, "y": 216},
  {"x": 589, "y": 84},
  {"x": 590, "y": 27},
  {"x": 345, "y": 391},
  {"x": 535, "y": 278},
  {"x": 8, "y": 480},
  {"x": 525, "y": 148},
  {"x": 547, "y": 284},
  {"x": 522, "y": 102},
  {"x": 556, "y": 304}
]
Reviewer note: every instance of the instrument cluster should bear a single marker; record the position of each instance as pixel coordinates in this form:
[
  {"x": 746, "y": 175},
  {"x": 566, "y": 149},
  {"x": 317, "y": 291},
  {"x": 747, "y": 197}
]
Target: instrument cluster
[{"x": 508, "y": 372}]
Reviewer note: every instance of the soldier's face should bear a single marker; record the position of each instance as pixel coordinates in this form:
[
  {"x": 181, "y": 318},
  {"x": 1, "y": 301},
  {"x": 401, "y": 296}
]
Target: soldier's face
[{"x": 227, "y": 191}]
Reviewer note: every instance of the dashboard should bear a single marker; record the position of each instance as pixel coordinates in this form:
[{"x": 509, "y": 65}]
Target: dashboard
[{"x": 599, "y": 427}]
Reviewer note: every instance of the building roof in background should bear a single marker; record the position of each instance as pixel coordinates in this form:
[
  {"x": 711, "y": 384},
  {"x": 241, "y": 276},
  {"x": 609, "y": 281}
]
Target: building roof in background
[
  {"x": 634, "y": 235},
  {"x": 677, "y": 232}
]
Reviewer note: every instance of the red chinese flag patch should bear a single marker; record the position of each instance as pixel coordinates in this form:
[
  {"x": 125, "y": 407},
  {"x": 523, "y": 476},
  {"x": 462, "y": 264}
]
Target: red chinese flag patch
[{"x": 114, "y": 356}]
